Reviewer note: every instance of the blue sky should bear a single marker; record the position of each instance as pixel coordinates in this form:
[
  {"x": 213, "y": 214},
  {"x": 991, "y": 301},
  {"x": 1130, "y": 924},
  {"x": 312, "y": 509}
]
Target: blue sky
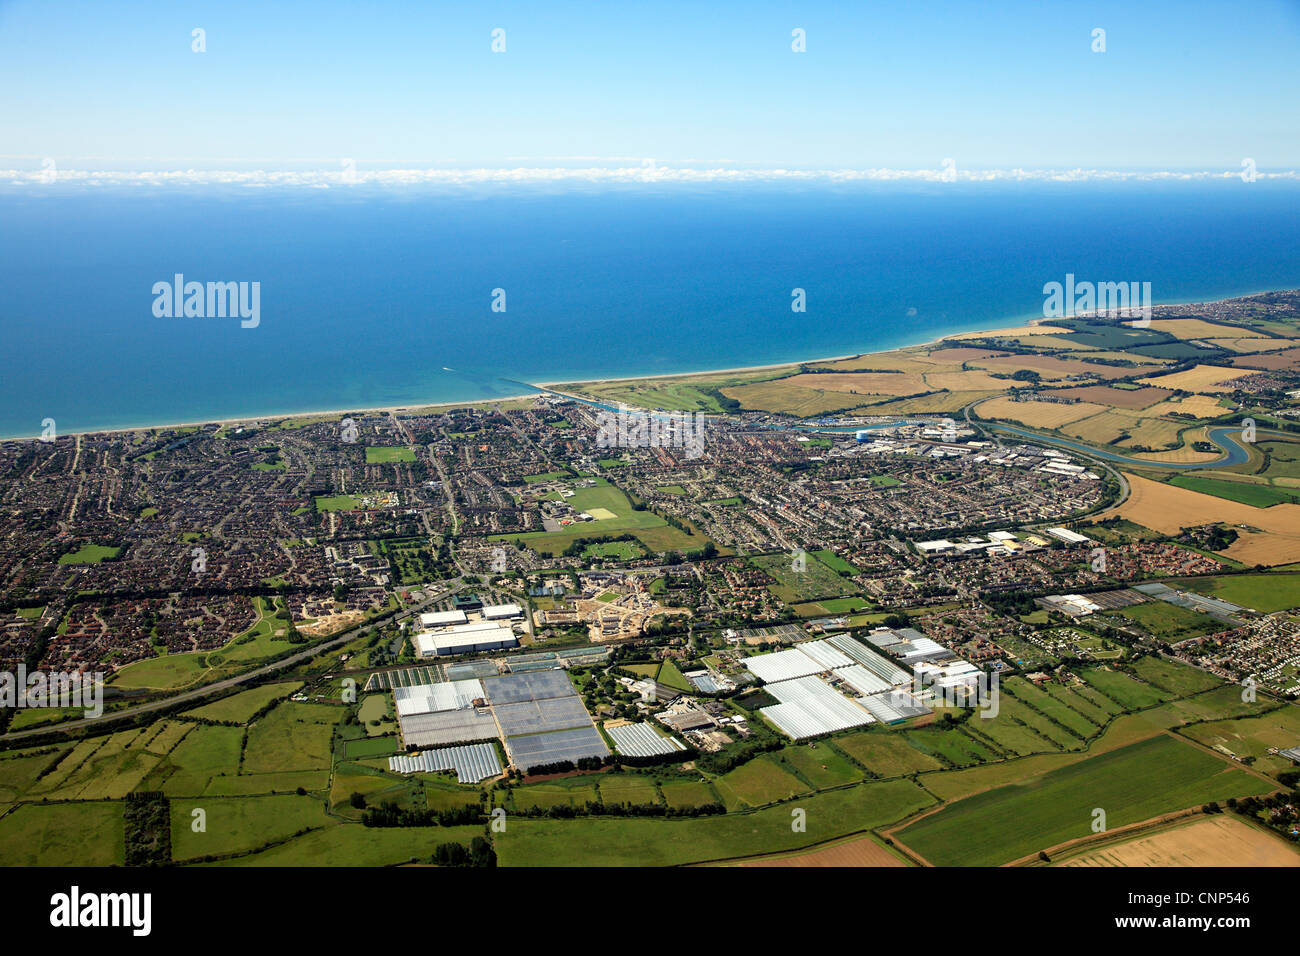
[{"x": 1182, "y": 85}]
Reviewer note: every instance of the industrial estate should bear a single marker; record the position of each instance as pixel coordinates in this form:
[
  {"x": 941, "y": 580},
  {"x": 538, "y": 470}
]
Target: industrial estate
[{"x": 1026, "y": 597}]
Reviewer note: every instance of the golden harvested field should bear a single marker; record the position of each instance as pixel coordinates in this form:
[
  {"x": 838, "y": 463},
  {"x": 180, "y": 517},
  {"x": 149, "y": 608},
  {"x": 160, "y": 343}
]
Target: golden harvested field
[
  {"x": 938, "y": 403},
  {"x": 1199, "y": 406},
  {"x": 1200, "y": 329},
  {"x": 863, "y": 851},
  {"x": 1124, "y": 357},
  {"x": 970, "y": 381},
  {"x": 1106, "y": 429},
  {"x": 1037, "y": 414},
  {"x": 1271, "y": 362},
  {"x": 1185, "y": 455},
  {"x": 1251, "y": 345},
  {"x": 1051, "y": 367},
  {"x": 1117, "y": 397},
  {"x": 956, "y": 356},
  {"x": 781, "y": 396},
  {"x": 884, "y": 362},
  {"x": 864, "y": 383},
  {"x": 1210, "y": 841},
  {"x": 1274, "y": 537},
  {"x": 1200, "y": 378},
  {"x": 1011, "y": 333}
]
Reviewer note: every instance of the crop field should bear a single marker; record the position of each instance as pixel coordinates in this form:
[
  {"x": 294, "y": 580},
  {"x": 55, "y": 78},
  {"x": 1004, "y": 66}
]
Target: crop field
[
  {"x": 1168, "y": 508},
  {"x": 1131, "y": 784},
  {"x": 235, "y": 824},
  {"x": 1037, "y": 414},
  {"x": 1129, "y": 693},
  {"x": 291, "y": 737},
  {"x": 886, "y": 754},
  {"x": 241, "y": 707},
  {"x": 1257, "y": 496},
  {"x": 1220, "y": 841},
  {"x": 1197, "y": 406},
  {"x": 793, "y": 587},
  {"x": 1199, "y": 378},
  {"x": 628, "y": 788},
  {"x": 387, "y": 454},
  {"x": 57, "y": 835},
  {"x": 798, "y": 400},
  {"x": 597, "y": 841},
  {"x": 547, "y": 795},
  {"x": 1167, "y": 622},
  {"x": 834, "y": 561},
  {"x": 1253, "y": 736},
  {"x": 958, "y": 749},
  {"x": 1127, "y": 429},
  {"x": 821, "y": 765},
  {"x": 1179, "y": 679},
  {"x": 1260, "y": 592},
  {"x": 1128, "y": 398},
  {"x": 687, "y": 793},
  {"x": 351, "y": 844},
  {"x": 759, "y": 782},
  {"x": 856, "y": 851}
]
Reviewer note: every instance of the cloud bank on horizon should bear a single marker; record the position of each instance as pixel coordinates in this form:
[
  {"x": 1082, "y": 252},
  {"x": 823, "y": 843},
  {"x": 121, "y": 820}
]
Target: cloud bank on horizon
[{"x": 609, "y": 175}]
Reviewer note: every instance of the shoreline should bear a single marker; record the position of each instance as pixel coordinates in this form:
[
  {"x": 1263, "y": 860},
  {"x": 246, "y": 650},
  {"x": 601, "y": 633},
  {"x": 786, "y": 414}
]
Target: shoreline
[{"x": 1027, "y": 323}]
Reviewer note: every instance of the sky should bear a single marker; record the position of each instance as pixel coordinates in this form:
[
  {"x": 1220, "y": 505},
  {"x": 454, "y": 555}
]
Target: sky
[{"x": 1181, "y": 85}]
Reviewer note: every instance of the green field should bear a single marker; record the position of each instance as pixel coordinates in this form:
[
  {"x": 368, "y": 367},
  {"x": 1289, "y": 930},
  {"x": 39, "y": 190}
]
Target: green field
[
  {"x": 387, "y": 454},
  {"x": 63, "y": 834},
  {"x": 834, "y": 561},
  {"x": 1131, "y": 784},
  {"x": 351, "y": 844},
  {"x": 593, "y": 841},
  {"x": 337, "y": 503},
  {"x": 1257, "y": 496},
  {"x": 1168, "y": 622},
  {"x": 240, "y": 824},
  {"x": 621, "y": 550},
  {"x": 1260, "y": 592},
  {"x": 89, "y": 554},
  {"x": 793, "y": 587},
  {"x": 759, "y": 782},
  {"x": 242, "y": 706}
]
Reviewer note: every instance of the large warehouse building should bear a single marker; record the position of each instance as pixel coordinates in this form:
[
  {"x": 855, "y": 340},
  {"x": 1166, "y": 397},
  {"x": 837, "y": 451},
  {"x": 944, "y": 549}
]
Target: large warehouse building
[{"x": 465, "y": 639}]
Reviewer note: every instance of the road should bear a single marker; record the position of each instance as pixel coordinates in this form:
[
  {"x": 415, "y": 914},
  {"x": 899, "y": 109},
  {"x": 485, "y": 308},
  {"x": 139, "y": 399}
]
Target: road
[{"x": 217, "y": 686}]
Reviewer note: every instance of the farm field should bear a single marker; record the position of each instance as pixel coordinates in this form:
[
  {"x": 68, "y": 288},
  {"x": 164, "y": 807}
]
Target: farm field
[
  {"x": 1252, "y": 736},
  {"x": 56, "y": 835},
  {"x": 1257, "y": 496},
  {"x": 1167, "y": 509},
  {"x": 1219, "y": 841},
  {"x": 759, "y": 782},
  {"x": 239, "y": 824},
  {"x": 859, "y": 851},
  {"x": 687, "y": 793},
  {"x": 1260, "y": 592},
  {"x": 1037, "y": 414},
  {"x": 649, "y": 842},
  {"x": 886, "y": 754},
  {"x": 241, "y": 707},
  {"x": 1134, "y": 783}
]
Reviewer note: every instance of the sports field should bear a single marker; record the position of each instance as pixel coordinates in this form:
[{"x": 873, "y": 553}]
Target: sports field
[{"x": 388, "y": 454}]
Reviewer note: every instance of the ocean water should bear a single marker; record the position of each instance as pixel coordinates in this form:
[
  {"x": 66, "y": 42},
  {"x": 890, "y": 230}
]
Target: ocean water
[{"x": 375, "y": 297}]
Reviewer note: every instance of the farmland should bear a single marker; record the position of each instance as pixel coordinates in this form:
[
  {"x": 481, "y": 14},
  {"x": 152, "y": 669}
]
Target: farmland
[{"x": 1131, "y": 784}]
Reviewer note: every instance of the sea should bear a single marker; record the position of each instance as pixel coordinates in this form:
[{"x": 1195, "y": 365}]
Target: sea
[{"x": 398, "y": 296}]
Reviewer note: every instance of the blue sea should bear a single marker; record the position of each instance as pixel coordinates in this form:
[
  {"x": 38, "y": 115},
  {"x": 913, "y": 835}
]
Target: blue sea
[{"x": 378, "y": 297}]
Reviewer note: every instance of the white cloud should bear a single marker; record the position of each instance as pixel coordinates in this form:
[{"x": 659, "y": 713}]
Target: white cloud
[{"x": 596, "y": 174}]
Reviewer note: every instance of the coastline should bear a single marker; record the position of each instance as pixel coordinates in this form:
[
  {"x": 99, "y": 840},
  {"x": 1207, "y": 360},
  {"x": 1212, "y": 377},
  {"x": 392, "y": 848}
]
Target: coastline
[{"x": 1027, "y": 323}]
